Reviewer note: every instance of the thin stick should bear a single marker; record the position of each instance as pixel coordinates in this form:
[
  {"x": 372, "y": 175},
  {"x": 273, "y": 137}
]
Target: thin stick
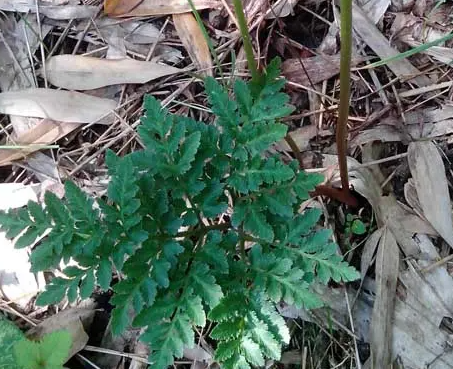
[
  {"x": 351, "y": 321},
  {"x": 41, "y": 46},
  {"x": 383, "y": 160},
  {"x": 295, "y": 149}
]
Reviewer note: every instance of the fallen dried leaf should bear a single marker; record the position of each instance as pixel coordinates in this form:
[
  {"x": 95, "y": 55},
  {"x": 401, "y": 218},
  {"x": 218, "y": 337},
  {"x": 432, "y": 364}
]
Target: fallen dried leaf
[
  {"x": 428, "y": 171},
  {"x": 301, "y": 137},
  {"x": 368, "y": 251},
  {"x": 410, "y": 194},
  {"x": 158, "y": 7},
  {"x": 314, "y": 69},
  {"x": 44, "y": 133},
  {"x": 65, "y": 106},
  {"x": 73, "y": 320},
  {"x": 77, "y": 72},
  {"x": 373, "y": 37},
  {"x": 374, "y": 9},
  {"x": 282, "y": 8},
  {"x": 387, "y": 264},
  {"x": 390, "y": 133},
  {"x": 193, "y": 40},
  {"x": 68, "y": 12},
  {"x": 115, "y": 7},
  {"x": 197, "y": 353},
  {"x": 53, "y": 10}
]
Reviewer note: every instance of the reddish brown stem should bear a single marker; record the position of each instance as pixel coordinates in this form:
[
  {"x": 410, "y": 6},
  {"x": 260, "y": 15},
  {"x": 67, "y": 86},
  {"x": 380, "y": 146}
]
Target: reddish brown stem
[
  {"x": 341, "y": 195},
  {"x": 345, "y": 88}
]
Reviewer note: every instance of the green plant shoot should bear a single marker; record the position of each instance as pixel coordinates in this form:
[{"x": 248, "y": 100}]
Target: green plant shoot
[{"x": 175, "y": 222}]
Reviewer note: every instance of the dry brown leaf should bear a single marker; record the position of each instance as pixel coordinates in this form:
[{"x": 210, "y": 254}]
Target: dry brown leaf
[
  {"x": 393, "y": 215},
  {"x": 388, "y": 211},
  {"x": 161, "y": 7},
  {"x": 301, "y": 137},
  {"x": 368, "y": 251},
  {"x": 193, "y": 40},
  {"x": 118, "y": 7},
  {"x": 57, "y": 12},
  {"x": 410, "y": 194},
  {"x": 44, "y": 133},
  {"x": 315, "y": 69},
  {"x": 428, "y": 115},
  {"x": 387, "y": 269},
  {"x": 390, "y": 133},
  {"x": 412, "y": 30},
  {"x": 69, "y": 12},
  {"x": 51, "y": 9},
  {"x": 374, "y": 9},
  {"x": 282, "y": 8},
  {"x": 373, "y": 37},
  {"x": 428, "y": 171},
  {"x": 77, "y": 72},
  {"x": 75, "y": 320},
  {"x": 198, "y": 353},
  {"x": 65, "y": 106}
]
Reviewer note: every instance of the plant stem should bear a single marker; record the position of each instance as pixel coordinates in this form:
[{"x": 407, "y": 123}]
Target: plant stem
[
  {"x": 345, "y": 65},
  {"x": 243, "y": 29},
  {"x": 242, "y": 246},
  {"x": 204, "y": 230},
  {"x": 295, "y": 149}
]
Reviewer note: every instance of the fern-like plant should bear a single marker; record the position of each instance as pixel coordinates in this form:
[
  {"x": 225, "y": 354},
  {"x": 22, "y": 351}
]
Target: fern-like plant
[{"x": 199, "y": 225}]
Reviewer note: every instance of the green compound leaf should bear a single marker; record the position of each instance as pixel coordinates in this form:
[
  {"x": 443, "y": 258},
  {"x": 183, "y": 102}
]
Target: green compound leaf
[
  {"x": 188, "y": 150},
  {"x": 201, "y": 226},
  {"x": 205, "y": 284},
  {"x": 168, "y": 340},
  {"x": 54, "y": 292},
  {"x": 252, "y": 352},
  {"x": 51, "y": 352},
  {"x": 228, "y": 329},
  {"x": 280, "y": 280},
  {"x": 257, "y": 224},
  {"x": 221, "y": 105},
  {"x": 10, "y": 334},
  {"x": 104, "y": 274}
]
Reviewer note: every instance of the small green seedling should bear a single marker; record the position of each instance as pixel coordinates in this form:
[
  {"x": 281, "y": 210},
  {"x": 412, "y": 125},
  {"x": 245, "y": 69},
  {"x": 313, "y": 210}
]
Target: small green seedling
[{"x": 354, "y": 226}]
